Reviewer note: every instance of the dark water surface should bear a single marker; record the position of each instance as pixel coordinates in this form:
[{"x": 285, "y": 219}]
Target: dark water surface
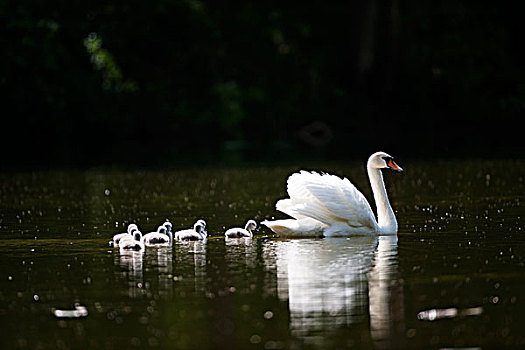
[{"x": 454, "y": 276}]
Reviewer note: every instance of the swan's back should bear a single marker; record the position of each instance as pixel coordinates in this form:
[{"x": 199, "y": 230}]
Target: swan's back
[{"x": 329, "y": 199}]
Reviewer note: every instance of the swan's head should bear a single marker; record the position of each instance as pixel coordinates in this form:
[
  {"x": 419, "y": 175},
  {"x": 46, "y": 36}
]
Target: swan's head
[
  {"x": 168, "y": 226},
  {"x": 137, "y": 235},
  {"x": 251, "y": 225},
  {"x": 382, "y": 160},
  {"x": 161, "y": 229}
]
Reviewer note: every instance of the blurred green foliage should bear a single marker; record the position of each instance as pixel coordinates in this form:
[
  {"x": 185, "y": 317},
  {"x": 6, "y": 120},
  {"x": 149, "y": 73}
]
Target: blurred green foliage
[
  {"x": 103, "y": 61},
  {"x": 127, "y": 82}
]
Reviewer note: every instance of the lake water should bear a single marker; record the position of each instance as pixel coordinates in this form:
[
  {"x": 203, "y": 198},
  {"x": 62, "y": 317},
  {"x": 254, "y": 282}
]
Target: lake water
[{"x": 454, "y": 276}]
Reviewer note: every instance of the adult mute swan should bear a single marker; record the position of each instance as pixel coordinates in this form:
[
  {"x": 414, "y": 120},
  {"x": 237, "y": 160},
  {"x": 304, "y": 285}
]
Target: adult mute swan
[
  {"x": 326, "y": 205},
  {"x": 237, "y": 232}
]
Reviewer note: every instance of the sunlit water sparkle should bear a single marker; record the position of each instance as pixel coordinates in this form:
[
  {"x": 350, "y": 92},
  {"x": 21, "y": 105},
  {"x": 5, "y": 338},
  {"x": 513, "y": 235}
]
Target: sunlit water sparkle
[{"x": 452, "y": 277}]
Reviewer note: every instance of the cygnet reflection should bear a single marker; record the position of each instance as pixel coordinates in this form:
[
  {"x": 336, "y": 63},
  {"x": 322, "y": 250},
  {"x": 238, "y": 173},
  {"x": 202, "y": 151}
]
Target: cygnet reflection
[
  {"x": 131, "y": 268},
  {"x": 159, "y": 272},
  {"x": 147, "y": 272},
  {"x": 193, "y": 253},
  {"x": 241, "y": 251}
]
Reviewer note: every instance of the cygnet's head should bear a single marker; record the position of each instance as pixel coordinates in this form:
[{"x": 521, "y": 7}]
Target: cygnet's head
[
  {"x": 251, "y": 225},
  {"x": 382, "y": 160},
  {"x": 161, "y": 229},
  {"x": 168, "y": 226},
  {"x": 137, "y": 235},
  {"x": 200, "y": 226}
]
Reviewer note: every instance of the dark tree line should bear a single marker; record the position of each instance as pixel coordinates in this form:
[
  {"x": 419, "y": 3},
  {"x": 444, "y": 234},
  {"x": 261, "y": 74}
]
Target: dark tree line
[{"x": 134, "y": 82}]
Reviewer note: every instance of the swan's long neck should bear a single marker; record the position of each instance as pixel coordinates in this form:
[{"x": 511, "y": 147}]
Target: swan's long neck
[{"x": 386, "y": 220}]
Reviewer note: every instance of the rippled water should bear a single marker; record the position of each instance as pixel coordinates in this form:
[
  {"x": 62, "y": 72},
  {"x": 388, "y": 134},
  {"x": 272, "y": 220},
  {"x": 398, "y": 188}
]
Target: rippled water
[{"x": 453, "y": 277}]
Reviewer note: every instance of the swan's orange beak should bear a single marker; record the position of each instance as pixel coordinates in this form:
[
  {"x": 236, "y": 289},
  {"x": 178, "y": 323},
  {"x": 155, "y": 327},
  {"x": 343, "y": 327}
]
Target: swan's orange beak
[{"x": 392, "y": 165}]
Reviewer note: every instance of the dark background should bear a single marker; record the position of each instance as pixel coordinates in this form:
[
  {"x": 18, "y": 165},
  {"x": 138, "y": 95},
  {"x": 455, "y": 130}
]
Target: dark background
[{"x": 89, "y": 83}]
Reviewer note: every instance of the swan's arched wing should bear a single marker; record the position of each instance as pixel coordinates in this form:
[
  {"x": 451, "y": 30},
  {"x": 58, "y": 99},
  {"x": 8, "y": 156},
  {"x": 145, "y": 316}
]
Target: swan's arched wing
[{"x": 326, "y": 198}]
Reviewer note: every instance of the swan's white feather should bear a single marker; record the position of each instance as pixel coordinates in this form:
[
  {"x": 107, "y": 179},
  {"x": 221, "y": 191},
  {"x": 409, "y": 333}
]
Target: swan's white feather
[
  {"x": 327, "y": 199},
  {"x": 305, "y": 227}
]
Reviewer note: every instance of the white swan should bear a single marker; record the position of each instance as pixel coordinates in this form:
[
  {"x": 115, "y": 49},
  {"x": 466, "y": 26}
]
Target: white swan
[
  {"x": 326, "y": 205},
  {"x": 133, "y": 242},
  {"x": 159, "y": 237},
  {"x": 196, "y": 233},
  {"x": 116, "y": 238},
  {"x": 237, "y": 232}
]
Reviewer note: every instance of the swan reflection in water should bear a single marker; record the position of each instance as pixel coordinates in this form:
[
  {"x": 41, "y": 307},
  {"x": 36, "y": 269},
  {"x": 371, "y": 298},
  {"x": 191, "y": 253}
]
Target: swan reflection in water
[
  {"x": 385, "y": 294},
  {"x": 147, "y": 272},
  {"x": 333, "y": 283}
]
